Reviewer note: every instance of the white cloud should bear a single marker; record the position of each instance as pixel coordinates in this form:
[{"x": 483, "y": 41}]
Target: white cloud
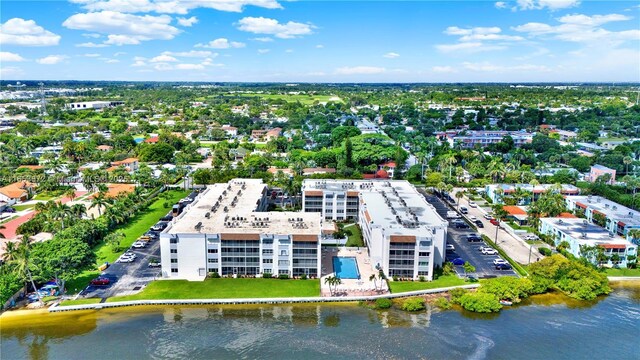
[
  {"x": 174, "y": 6},
  {"x": 120, "y": 53},
  {"x": 469, "y": 47},
  {"x": 454, "y": 30},
  {"x": 316, "y": 73},
  {"x": 583, "y": 29},
  {"x": 545, "y": 4},
  {"x": 163, "y": 59},
  {"x": 92, "y": 55},
  {"x": 391, "y": 55},
  {"x": 221, "y": 43},
  {"x": 263, "y": 39},
  {"x": 489, "y": 67},
  {"x": 139, "y": 63},
  {"x": 92, "y": 35},
  {"x": 192, "y": 53},
  {"x": 289, "y": 51},
  {"x": 124, "y": 29},
  {"x": 500, "y": 4},
  {"x": 319, "y": 46},
  {"x": 91, "y": 45},
  {"x": 22, "y": 32},
  {"x": 261, "y": 25},
  {"x": 189, "y": 67},
  {"x": 10, "y": 57},
  {"x": 111, "y": 61},
  {"x": 443, "y": 69},
  {"x": 10, "y": 71},
  {"x": 51, "y": 59},
  {"x": 263, "y": 51},
  {"x": 188, "y": 22},
  {"x": 360, "y": 70}
]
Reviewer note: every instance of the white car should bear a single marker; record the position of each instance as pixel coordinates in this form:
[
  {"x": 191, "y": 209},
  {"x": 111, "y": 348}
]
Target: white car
[
  {"x": 472, "y": 218},
  {"x": 473, "y": 204},
  {"x": 531, "y": 237},
  {"x": 139, "y": 244},
  {"x": 489, "y": 251},
  {"x": 499, "y": 261},
  {"x": 126, "y": 259},
  {"x": 488, "y": 216},
  {"x": 450, "y": 247}
]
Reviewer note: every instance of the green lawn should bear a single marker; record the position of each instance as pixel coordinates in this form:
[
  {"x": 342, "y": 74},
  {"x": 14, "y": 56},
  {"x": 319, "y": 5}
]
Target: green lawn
[
  {"x": 442, "y": 281},
  {"x": 355, "y": 239},
  {"x": 80, "y": 302},
  {"x": 303, "y": 98},
  {"x": 225, "y": 289},
  {"x": 136, "y": 227},
  {"x": 622, "y": 272},
  {"x": 23, "y": 207},
  {"x": 48, "y": 195}
]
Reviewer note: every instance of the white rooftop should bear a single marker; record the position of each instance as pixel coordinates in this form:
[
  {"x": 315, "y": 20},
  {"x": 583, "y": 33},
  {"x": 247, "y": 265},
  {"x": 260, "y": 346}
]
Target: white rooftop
[
  {"x": 584, "y": 231},
  {"x": 609, "y": 208}
]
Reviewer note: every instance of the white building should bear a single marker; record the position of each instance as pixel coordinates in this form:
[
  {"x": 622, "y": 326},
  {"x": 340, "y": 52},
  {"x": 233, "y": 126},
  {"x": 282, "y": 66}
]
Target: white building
[
  {"x": 616, "y": 218},
  {"x": 88, "y": 105},
  {"x": 580, "y": 232},
  {"x": 404, "y": 234},
  {"x": 226, "y": 230}
]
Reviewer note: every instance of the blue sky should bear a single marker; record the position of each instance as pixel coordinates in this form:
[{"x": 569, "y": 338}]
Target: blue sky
[{"x": 321, "y": 41}]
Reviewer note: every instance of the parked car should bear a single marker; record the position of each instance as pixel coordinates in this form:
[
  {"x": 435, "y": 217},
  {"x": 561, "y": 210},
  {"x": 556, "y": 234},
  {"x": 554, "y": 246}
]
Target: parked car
[
  {"x": 126, "y": 259},
  {"x": 494, "y": 222},
  {"x": 500, "y": 261},
  {"x": 452, "y": 215},
  {"x": 478, "y": 223},
  {"x": 139, "y": 244},
  {"x": 473, "y": 204},
  {"x": 503, "y": 267},
  {"x": 457, "y": 261},
  {"x": 488, "y": 216},
  {"x": 9, "y": 210},
  {"x": 464, "y": 210},
  {"x": 167, "y": 217},
  {"x": 450, "y": 247},
  {"x": 100, "y": 281},
  {"x": 483, "y": 247},
  {"x": 459, "y": 224},
  {"x": 154, "y": 235},
  {"x": 154, "y": 263},
  {"x": 472, "y": 218},
  {"x": 161, "y": 225},
  {"x": 530, "y": 237},
  {"x": 474, "y": 238},
  {"x": 489, "y": 251}
]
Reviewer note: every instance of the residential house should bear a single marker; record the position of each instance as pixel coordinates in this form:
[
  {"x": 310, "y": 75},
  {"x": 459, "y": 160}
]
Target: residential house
[
  {"x": 130, "y": 164},
  {"x": 16, "y": 192},
  {"x": 496, "y": 192},
  {"x": 313, "y": 171},
  {"x": 104, "y": 148},
  {"x": 600, "y": 170}
]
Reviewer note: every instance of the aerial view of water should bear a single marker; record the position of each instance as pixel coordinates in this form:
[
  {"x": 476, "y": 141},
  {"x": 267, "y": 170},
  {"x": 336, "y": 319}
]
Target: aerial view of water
[{"x": 546, "y": 327}]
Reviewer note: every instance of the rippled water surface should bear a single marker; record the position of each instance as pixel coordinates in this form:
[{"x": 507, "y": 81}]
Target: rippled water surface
[{"x": 548, "y": 327}]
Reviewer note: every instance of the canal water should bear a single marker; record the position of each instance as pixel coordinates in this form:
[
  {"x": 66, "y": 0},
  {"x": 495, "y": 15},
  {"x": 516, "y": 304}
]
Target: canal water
[{"x": 545, "y": 327}]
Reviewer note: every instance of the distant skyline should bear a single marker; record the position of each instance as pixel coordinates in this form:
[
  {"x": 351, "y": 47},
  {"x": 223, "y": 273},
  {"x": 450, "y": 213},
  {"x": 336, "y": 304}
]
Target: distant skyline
[{"x": 321, "y": 41}]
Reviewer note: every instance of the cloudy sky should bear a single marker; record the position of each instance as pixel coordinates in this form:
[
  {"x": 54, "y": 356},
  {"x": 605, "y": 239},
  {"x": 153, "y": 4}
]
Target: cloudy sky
[{"x": 321, "y": 41}]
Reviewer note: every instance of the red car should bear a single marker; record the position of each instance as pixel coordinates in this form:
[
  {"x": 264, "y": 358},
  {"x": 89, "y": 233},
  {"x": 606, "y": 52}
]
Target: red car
[
  {"x": 100, "y": 281},
  {"x": 494, "y": 222}
]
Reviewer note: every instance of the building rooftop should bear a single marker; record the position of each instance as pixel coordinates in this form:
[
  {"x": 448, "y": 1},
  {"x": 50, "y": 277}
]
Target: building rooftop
[
  {"x": 609, "y": 208},
  {"x": 234, "y": 208},
  {"x": 395, "y": 205},
  {"x": 601, "y": 167},
  {"x": 585, "y": 232},
  {"x": 566, "y": 188}
]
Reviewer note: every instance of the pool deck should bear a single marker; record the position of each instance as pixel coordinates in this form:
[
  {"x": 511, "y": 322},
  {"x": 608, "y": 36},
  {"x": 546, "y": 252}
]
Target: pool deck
[{"x": 351, "y": 287}]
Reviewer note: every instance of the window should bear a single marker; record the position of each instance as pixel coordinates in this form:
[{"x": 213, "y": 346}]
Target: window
[
  {"x": 173, "y": 241},
  {"x": 283, "y": 262},
  {"x": 174, "y": 270},
  {"x": 267, "y": 241},
  {"x": 212, "y": 261},
  {"x": 423, "y": 263},
  {"x": 174, "y": 251},
  {"x": 212, "y": 251},
  {"x": 212, "y": 270},
  {"x": 174, "y": 261},
  {"x": 284, "y": 253},
  {"x": 267, "y": 271},
  {"x": 283, "y": 272},
  {"x": 267, "y": 251},
  {"x": 423, "y": 253},
  {"x": 267, "y": 261}
]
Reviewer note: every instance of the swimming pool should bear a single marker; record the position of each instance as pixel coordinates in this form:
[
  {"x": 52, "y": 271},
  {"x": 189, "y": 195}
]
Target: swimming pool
[{"x": 346, "y": 267}]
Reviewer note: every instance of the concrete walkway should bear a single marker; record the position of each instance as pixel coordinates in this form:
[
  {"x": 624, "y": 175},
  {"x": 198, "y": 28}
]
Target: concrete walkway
[{"x": 103, "y": 305}]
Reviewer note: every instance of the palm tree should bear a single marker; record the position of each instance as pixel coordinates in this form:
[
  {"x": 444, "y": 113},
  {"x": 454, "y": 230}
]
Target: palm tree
[
  {"x": 627, "y": 160},
  {"x": 78, "y": 210},
  {"x": 634, "y": 234},
  {"x": 100, "y": 200},
  {"x": 70, "y": 193},
  {"x": 373, "y": 278},
  {"x": 18, "y": 256},
  {"x": 459, "y": 195}
]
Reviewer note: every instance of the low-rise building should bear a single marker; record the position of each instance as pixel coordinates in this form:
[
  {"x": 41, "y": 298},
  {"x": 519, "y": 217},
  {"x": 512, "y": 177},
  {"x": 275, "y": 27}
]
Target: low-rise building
[
  {"x": 580, "y": 233},
  {"x": 600, "y": 170},
  {"x": 92, "y": 105},
  {"x": 471, "y": 139},
  {"x": 130, "y": 164},
  {"x": 16, "y": 192},
  {"x": 616, "y": 218},
  {"x": 404, "y": 234},
  {"x": 496, "y": 192}
]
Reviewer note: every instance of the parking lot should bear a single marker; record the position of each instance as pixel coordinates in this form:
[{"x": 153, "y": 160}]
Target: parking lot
[
  {"x": 127, "y": 278},
  {"x": 468, "y": 251}
]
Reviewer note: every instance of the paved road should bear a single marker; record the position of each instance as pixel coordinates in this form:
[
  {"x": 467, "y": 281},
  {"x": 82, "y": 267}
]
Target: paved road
[
  {"x": 466, "y": 250},
  {"x": 516, "y": 248}
]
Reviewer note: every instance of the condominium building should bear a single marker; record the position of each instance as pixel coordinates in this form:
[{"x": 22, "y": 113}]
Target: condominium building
[
  {"x": 615, "y": 218},
  {"x": 404, "y": 234},
  {"x": 580, "y": 232},
  {"x": 470, "y": 139},
  {"x": 496, "y": 192},
  {"x": 227, "y": 230}
]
